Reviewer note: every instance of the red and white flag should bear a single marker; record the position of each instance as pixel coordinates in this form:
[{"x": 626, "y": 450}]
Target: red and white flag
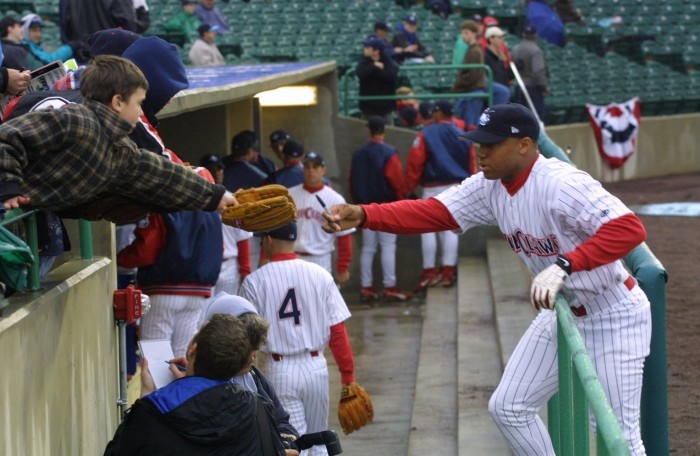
[{"x": 616, "y": 127}]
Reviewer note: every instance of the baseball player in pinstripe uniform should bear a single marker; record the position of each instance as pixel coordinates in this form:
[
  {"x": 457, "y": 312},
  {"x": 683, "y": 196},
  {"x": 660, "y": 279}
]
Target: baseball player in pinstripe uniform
[
  {"x": 572, "y": 235},
  {"x": 313, "y": 244},
  {"x": 306, "y": 312},
  {"x": 236, "y": 260}
]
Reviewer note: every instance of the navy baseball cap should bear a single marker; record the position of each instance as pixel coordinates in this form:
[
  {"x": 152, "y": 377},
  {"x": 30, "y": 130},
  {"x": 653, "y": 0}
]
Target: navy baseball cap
[
  {"x": 244, "y": 141},
  {"x": 287, "y": 232},
  {"x": 374, "y": 42},
  {"x": 382, "y": 25},
  {"x": 529, "y": 30},
  {"x": 204, "y": 28},
  {"x": 504, "y": 121},
  {"x": 426, "y": 109},
  {"x": 315, "y": 156},
  {"x": 211, "y": 160},
  {"x": 376, "y": 123},
  {"x": 293, "y": 149},
  {"x": 444, "y": 107},
  {"x": 411, "y": 19},
  {"x": 279, "y": 135}
]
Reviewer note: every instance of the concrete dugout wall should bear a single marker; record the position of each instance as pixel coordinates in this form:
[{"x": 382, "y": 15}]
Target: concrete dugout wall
[{"x": 59, "y": 384}]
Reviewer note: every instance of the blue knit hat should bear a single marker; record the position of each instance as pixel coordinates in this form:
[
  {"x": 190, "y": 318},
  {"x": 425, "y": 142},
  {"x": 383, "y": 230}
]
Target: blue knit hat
[
  {"x": 161, "y": 64},
  {"x": 110, "y": 42}
]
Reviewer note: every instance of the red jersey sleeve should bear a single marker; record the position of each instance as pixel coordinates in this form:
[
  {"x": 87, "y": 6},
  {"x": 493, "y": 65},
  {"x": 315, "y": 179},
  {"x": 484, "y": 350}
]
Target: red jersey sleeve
[
  {"x": 145, "y": 249},
  {"x": 394, "y": 175},
  {"x": 611, "y": 242},
  {"x": 342, "y": 352},
  {"x": 417, "y": 157},
  {"x": 409, "y": 217},
  {"x": 243, "y": 258},
  {"x": 344, "y": 253}
]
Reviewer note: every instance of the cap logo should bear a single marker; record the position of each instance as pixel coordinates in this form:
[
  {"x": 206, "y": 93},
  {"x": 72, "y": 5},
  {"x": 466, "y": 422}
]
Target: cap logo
[
  {"x": 514, "y": 130},
  {"x": 484, "y": 119}
]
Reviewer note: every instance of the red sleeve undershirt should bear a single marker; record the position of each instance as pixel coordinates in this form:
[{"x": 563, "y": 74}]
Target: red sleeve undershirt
[
  {"x": 417, "y": 157},
  {"x": 243, "y": 258},
  {"x": 611, "y": 242},
  {"x": 423, "y": 216},
  {"x": 394, "y": 175},
  {"x": 344, "y": 253},
  {"x": 342, "y": 352},
  {"x": 145, "y": 249}
]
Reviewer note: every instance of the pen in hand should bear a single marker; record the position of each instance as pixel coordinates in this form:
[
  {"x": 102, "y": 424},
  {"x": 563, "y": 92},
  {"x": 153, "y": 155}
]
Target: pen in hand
[
  {"x": 180, "y": 367},
  {"x": 325, "y": 208}
]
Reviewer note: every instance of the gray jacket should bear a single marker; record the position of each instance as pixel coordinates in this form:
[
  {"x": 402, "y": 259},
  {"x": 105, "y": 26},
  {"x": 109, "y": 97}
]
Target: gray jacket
[{"x": 529, "y": 59}]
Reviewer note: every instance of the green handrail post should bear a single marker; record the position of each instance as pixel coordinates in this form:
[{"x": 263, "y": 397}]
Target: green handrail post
[
  {"x": 652, "y": 278},
  {"x": 608, "y": 427},
  {"x": 554, "y": 422},
  {"x": 580, "y": 404},
  {"x": 85, "y": 229},
  {"x": 566, "y": 416},
  {"x": 33, "y": 279}
]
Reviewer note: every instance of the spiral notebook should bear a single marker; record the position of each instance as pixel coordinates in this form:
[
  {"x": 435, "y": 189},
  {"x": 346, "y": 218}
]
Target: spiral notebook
[{"x": 157, "y": 352}]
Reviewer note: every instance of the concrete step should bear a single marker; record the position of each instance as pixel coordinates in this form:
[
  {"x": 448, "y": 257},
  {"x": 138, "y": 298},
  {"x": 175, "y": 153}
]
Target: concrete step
[
  {"x": 434, "y": 417},
  {"x": 479, "y": 361}
]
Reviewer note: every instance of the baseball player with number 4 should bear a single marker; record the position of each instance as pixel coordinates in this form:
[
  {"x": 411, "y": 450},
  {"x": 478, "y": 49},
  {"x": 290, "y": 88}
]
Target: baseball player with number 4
[
  {"x": 571, "y": 234},
  {"x": 306, "y": 311}
]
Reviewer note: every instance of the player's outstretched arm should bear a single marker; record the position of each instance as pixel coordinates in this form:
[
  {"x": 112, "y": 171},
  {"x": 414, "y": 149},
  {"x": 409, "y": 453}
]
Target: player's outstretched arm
[{"x": 344, "y": 217}]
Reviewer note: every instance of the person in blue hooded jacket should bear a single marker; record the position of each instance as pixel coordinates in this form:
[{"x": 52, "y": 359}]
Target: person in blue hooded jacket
[
  {"x": 32, "y": 33},
  {"x": 204, "y": 412},
  {"x": 406, "y": 43}
]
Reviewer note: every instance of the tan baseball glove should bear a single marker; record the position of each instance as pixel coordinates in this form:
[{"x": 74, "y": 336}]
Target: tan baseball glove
[
  {"x": 355, "y": 409},
  {"x": 261, "y": 209}
]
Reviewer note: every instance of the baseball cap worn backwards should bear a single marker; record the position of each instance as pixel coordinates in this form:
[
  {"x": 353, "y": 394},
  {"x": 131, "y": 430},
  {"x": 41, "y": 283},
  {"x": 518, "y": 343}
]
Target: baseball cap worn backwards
[
  {"x": 382, "y": 25},
  {"x": 286, "y": 233},
  {"x": 504, "y": 121},
  {"x": 293, "y": 149}
]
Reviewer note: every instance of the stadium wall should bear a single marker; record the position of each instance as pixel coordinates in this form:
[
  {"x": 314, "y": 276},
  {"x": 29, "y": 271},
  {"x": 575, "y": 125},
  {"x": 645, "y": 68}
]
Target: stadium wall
[
  {"x": 666, "y": 145},
  {"x": 59, "y": 383}
]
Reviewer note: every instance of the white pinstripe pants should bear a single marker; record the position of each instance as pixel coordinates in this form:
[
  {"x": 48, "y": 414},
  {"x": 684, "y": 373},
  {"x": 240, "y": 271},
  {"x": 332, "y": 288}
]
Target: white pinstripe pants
[
  {"x": 301, "y": 383},
  {"x": 387, "y": 242},
  {"x": 617, "y": 341},
  {"x": 229, "y": 277},
  {"x": 429, "y": 241},
  {"x": 174, "y": 318}
]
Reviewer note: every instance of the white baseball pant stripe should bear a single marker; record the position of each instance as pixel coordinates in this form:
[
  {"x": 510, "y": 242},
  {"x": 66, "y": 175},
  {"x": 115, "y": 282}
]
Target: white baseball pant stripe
[
  {"x": 323, "y": 260},
  {"x": 229, "y": 277},
  {"x": 301, "y": 383},
  {"x": 174, "y": 318},
  {"x": 387, "y": 242},
  {"x": 617, "y": 341},
  {"x": 449, "y": 240}
]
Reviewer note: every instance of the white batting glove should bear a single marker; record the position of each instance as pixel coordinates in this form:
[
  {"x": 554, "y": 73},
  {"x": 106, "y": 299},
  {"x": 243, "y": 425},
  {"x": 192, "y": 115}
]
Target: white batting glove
[{"x": 546, "y": 284}]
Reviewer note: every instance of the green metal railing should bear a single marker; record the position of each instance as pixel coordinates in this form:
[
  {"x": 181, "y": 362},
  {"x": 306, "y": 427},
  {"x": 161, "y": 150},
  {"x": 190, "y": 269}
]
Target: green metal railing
[
  {"x": 579, "y": 387},
  {"x": 29, "y": 218},
  {"x": 488, "y": 94}
]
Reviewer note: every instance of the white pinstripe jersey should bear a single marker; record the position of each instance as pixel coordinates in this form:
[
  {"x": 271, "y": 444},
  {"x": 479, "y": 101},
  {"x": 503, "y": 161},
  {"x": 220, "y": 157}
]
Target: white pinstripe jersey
[
  {"x": 300, "y": 300},
  {"x": 557, "y": 209},
  {"x": 231, "y": 238},
  {"x": 311, "y": 238}
]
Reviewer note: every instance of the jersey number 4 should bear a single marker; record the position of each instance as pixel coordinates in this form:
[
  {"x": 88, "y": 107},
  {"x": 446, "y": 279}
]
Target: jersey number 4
[{"x": 289, "y": 307}]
